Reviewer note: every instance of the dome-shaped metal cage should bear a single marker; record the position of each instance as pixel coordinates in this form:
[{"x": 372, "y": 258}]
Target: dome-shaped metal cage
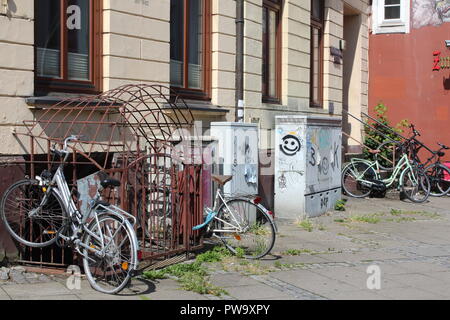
[{"x": 130, "y": 133}]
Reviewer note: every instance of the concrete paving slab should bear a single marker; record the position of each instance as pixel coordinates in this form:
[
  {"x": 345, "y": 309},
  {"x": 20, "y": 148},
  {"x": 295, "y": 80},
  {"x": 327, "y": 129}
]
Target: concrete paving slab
[
  {"x": 415, "y": 280},
  {"x": 251, "y": 292},
  {"x": 423, "y": 267},
  {"x": 409, "y": 293},
  {"x": 443, "y": 276},
  {"x": 174, "y": 295},
  {"x": 232, "y": 280},
  {"x": 313, "y": 282},
  {"x": 61, "y": 297},
  {"x": 40, "y": 290},
  {"x": 355, "y": 295},
  {"x": 355, "y": 276}
]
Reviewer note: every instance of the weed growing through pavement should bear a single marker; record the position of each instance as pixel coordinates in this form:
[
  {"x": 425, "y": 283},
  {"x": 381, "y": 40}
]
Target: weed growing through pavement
[
  {"x": 306, "y": 225},
  {"x": 340, "y": 205},
  {"x": 193, "y": 276}
]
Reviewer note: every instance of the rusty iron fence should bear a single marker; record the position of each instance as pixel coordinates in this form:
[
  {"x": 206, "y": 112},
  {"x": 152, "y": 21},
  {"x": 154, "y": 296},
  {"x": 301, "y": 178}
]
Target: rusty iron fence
[{"x": 137, "y": 134}]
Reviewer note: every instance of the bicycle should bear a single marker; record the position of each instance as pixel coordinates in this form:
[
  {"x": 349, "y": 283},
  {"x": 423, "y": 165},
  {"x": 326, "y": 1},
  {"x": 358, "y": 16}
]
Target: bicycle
[
  {"x": 39, "y": 212},
  {"x": 433, "y": 167},
  {"x": 243, "y": 224},
  {"x": 360, "y": 177}
]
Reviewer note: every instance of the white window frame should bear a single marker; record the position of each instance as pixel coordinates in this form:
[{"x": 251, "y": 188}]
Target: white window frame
[{"x": 381, "y": 25}]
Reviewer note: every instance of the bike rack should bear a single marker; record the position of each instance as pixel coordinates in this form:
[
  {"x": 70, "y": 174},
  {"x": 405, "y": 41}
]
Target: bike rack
[
  {"x": 131, "y": 133},
  {"x": 368, "y": 125}
]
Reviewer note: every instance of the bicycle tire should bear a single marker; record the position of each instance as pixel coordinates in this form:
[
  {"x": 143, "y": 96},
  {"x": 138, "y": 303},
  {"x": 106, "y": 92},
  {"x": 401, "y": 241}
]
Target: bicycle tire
[
  {"x": 419, "y": 191},
  {"x": 103, "y": 274},
  {"x": 241, "y": 243},
  {"x": 436, "y": 173},
  {"x": 40, "y": 231},
  {"x": 350, "y": 187}
]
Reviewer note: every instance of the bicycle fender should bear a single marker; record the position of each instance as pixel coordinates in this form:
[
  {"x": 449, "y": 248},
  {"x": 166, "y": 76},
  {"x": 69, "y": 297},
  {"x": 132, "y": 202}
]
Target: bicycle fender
[{"x": 272, "y": 220}]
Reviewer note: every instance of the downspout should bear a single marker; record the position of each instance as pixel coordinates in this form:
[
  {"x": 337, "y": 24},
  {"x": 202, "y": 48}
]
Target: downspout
[{"x": 239, "y": 116}]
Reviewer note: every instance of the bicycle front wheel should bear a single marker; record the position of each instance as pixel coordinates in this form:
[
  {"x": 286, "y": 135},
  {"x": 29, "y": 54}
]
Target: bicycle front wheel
[
  {"x": 439, "y": 176},
  {"x": 28, "y": 218},
  {"x": 415, "y": 185},
  {"x": 109, "y": 271},
  {"x": 245, "y": 229}
]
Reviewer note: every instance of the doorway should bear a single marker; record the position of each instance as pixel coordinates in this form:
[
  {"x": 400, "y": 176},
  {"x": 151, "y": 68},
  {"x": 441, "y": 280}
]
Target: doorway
[{"x": 352, "y": 77}]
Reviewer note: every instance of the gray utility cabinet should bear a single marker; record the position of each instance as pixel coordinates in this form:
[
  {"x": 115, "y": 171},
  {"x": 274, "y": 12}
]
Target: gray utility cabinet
[
  {"x": 236, "y": 154},
  {"x": 307, "y": 165}
]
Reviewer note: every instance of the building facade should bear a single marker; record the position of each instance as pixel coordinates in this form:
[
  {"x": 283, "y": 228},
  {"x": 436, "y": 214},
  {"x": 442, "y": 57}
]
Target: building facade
[
  {"x": 409, "y": 70},
  {"x": 303, "y": 57}
]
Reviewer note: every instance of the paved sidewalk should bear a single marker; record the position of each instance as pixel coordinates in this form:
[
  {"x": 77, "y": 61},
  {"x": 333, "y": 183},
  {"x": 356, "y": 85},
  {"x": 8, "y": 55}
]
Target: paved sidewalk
[{"x": 410, "y": 243}]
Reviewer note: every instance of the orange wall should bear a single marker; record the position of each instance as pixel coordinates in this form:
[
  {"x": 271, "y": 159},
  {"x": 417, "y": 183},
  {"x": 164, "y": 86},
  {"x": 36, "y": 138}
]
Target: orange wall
[{"x": 401, "y": 76}]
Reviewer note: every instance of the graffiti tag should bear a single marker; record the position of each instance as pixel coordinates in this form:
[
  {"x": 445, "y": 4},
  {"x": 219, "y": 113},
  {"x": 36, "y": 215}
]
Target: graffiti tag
[
  {"x": 324, "y": 166},
  {"x": 324, "y": 203},
  {"x": 290, "y": 145}
]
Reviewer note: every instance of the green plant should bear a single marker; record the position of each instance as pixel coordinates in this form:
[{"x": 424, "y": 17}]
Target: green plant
[
  {"x": 240, "y": 252},
  {"x": 306, "y": 224},
  {"x": 396, "y": 212},
  {"x": 193, "y": 276},
  {"x": 378, "y": 133},
  {"x": 340, "y": 205},
  {"x": 296, "y": 252},
  {"x": 370, "y": 218},
  {"x": 215, "y": 255},
  {"x": 192, "y": 281},
  {"x": 155, "y": 274}
]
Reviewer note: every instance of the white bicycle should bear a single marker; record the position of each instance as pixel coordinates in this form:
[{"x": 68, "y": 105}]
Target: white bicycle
[{"x": 39, "y": 212}]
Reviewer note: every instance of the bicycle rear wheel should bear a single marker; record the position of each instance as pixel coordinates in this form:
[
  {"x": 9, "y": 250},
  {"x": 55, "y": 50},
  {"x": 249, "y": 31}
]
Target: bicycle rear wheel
[
  {"x": 29, "y": 222},
  {"x": 245, "y": 229},
  {"x": 415, "y": 185},
  {"x": 439, "y": 176},
  {"x": 352, "y": 175},
  {"x": 111, "y": 272}
]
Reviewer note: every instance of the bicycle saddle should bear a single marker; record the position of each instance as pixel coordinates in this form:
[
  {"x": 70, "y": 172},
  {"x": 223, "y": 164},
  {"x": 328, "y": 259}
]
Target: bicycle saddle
[
  {"x": 374, "y": 151},
  {"x": 443, "y": 146},
  {"x": 109, "y": 182},
  {"x": 222, "y": 180}
]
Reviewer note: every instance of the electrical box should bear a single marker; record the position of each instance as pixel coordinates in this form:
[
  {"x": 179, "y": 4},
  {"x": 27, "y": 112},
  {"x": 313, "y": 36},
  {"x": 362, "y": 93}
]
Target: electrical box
[
  {"x": 236, "y": 154},
  {"x": 307, "y": 165}
]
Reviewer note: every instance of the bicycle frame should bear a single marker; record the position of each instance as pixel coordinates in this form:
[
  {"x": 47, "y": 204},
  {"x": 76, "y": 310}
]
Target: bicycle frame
[
  {"x": 400, "y": 168},
  {"x": 60, "y": 187},
  {"x": 237, "y": 227}
]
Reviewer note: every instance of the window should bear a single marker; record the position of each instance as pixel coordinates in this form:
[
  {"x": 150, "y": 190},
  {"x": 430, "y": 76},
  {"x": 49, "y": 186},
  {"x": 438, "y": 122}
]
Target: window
[
  {"x": 391, "y": 9},
  {"x": 271, "y": 66},
  {"x": 190, "y": 47},
  {"x": 68, "y": 45},
  {"x": 316, "y": 80},
  {"x": 391, "y": 16}
]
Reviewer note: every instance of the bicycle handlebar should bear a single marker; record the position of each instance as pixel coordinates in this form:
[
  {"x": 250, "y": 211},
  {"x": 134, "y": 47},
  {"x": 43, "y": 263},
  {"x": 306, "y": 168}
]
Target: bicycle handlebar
[{"x": 63, "y": 153}]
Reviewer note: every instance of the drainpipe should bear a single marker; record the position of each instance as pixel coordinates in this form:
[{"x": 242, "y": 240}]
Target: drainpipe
[{"x": 239, "y": 116}]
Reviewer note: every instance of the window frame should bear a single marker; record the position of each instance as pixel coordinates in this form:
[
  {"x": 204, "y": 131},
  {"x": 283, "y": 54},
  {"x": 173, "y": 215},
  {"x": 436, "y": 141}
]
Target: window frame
[
  {"x": 382, "y": 25},
  {"x": 92, "y": 86},
  {"x": 320, "y": 25},
  {"x": 273, "y": 5},
  {"x": 205, "y": 92}
]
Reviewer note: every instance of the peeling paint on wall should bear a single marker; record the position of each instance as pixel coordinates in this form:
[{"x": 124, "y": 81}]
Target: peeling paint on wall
[{"x": 430, "y": 12}]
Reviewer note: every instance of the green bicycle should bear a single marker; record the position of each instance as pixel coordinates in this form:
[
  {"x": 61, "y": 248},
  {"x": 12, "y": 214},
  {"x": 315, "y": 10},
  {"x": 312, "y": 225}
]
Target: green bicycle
[{"x": 360, "y": 177}]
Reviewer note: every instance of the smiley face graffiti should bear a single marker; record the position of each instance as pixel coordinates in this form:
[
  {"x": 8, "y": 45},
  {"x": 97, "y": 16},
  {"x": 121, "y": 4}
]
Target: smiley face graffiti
[{"x": 290, "y": 145}]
